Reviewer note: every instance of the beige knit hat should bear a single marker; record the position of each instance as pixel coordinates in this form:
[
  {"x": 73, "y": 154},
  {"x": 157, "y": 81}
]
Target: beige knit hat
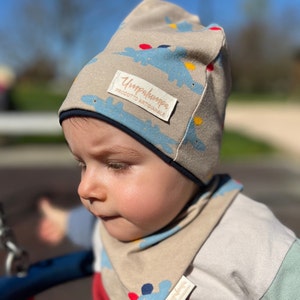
[{"x": 164, "y": 79}]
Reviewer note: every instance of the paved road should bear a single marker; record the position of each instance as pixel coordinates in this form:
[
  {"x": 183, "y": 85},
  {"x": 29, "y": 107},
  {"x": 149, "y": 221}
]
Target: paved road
[{"x": 276, "y": 123}]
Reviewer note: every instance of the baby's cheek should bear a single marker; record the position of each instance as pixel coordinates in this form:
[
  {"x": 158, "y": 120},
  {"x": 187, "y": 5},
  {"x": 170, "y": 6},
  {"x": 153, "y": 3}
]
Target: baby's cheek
[{"x": 139, "y": 204}]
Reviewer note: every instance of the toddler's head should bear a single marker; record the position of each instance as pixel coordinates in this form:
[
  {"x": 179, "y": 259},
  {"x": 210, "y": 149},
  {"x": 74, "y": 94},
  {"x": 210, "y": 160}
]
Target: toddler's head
[
  {"x": 163, "y": 80},
  {"x": 123, "y": 183}
]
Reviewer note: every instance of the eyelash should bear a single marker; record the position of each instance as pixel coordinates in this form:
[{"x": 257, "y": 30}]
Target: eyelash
[
  {"x": 118, "y": 166},
  {"x": 115, "y": 166}
]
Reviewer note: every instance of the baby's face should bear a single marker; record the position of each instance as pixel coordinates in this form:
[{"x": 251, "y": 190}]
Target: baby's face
[{"x": 123, "y": 183}]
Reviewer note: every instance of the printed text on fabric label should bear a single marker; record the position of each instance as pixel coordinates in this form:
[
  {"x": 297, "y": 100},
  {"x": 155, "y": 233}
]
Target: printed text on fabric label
[{"x": 144, "y": 94}]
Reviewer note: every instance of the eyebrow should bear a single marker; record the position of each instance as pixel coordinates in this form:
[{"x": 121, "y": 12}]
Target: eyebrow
[
  {"x": 117, "y": 149},
  {"x": 120, "y": 150}
]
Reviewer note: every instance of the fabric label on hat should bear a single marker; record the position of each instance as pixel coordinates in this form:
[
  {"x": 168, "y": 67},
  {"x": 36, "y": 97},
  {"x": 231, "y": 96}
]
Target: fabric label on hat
[{"x": 143, "y": 93}]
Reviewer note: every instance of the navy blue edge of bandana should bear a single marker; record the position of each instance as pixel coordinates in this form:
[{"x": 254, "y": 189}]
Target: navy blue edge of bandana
[{"x": 90, "y": 114}]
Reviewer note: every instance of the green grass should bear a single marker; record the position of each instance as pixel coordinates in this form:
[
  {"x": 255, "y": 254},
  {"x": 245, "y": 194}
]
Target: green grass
[
  {"x": 238, "y": 146},
  {"x": 27, "y": 97},
  {"x": 36, "y": 140}
]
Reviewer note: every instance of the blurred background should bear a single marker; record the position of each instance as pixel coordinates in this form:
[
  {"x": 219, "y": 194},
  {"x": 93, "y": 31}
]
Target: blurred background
[
  {"x": 44, "y": 44},
  {"x": 48, "y": 42}
]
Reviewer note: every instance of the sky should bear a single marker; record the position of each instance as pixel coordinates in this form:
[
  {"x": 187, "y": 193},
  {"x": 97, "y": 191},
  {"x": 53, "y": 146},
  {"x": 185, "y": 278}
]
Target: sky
[
  {"x": 230, "y": 14},
  {"x": 225, "y": 12}
]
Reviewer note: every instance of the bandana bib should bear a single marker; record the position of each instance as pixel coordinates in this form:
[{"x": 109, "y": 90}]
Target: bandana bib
[{"x": 151, "y": 267}]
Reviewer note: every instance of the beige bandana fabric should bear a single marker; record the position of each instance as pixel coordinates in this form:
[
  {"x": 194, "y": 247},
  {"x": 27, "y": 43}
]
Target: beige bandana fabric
[{"x": 150, "y": 268}]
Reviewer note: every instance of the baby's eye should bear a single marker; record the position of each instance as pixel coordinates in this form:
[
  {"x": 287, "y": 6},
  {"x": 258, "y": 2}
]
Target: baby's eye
[{"x": 118, "y": 166}]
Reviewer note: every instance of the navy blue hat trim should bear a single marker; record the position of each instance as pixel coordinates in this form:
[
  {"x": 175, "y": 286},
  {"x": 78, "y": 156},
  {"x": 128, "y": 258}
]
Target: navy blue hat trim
[{"x": 91, "y": 114}]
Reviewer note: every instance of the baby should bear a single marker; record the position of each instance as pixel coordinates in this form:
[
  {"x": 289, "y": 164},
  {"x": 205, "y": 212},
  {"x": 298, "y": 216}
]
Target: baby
[{"x": 144, "y": 119}]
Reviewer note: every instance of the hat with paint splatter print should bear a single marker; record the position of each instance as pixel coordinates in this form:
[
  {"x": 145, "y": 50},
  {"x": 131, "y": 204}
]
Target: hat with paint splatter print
[{"x": 164, "y": 79}]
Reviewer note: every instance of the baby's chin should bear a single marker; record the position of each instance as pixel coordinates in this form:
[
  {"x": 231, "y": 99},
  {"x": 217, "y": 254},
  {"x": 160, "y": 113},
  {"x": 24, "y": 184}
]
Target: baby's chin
[{"x": 123, "y": 232}]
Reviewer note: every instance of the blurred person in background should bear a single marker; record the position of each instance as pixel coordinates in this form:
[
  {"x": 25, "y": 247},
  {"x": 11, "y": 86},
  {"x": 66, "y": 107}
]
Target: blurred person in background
[
  {"x": 56, "y": 223},
  {"x": 7, "y": 81}
]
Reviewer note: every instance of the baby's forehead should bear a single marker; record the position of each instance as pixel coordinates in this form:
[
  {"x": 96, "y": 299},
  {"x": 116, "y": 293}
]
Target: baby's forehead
[
  {"x": 98, "y": 133},
  {"x": 89, "y": 124}
]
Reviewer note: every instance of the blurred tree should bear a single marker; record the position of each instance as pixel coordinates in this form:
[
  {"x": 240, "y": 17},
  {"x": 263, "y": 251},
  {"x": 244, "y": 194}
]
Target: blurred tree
[
  {"x": 46, "y": 37},
  {"x": 261, "y": 50},
  {"x": 295, "y": 80},
  {"x": 262, "y": 43}
]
